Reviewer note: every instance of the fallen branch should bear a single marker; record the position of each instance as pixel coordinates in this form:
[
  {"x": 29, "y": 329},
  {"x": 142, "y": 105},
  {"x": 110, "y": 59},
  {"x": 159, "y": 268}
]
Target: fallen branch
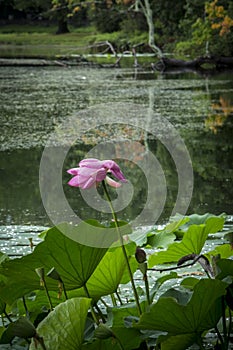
[
  {"x": 219, "y": 62},
  {"x": 201, "y": 259},
  {"x": 114, "y": 52}
]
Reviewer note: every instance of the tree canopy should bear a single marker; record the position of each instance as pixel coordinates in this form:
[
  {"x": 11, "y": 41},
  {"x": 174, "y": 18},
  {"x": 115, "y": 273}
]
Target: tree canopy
[{"x": 187, "y": 26}]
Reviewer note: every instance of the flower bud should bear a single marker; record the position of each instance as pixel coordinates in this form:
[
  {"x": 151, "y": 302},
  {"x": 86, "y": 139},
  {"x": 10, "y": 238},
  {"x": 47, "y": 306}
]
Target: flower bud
[
  {"x": 22, "y": 328},
  {"x": 103, "y": 332},
  {"x": 140, "y": 255}
]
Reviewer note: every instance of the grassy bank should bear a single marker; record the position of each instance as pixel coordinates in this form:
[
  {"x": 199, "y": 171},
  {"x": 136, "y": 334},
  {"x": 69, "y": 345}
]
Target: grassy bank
[{"x": 39, "y": 41}]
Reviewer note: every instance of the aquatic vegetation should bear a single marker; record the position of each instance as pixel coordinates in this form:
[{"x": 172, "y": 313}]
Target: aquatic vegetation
[{"x": 161, "y": 289}]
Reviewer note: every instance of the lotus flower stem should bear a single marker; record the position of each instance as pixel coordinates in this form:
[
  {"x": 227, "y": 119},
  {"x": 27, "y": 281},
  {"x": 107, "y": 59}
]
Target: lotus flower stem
[
  {"x": 113, "y": 300},
  {"x": 7, "y": 316},
  {"x": 119, "y": 343},
  {"x": 219, "y": 335},
  {"x": 25, "y": 306},
  {"x": 140, "y": 256},
  {"x": 40, "y": 340},
  {"x": 230, "y": 324},
  {"x": 100, "y": 312},
  {"x": 104, "y": 302},
  {"x": 119, "y": 298},
  {"x": 40, "y": 272},
  {"x": 48, "y": 297},
  {"x": 147, "y": 288},
  {"x": 225, "y": 332},
  {"x": 2, "y": 318},
  {"x": 199, "y": 342},
  {"x": 92, "y": 309},
  {"x": 64, "y": 290},
  {"x": 123, "y": 247}
]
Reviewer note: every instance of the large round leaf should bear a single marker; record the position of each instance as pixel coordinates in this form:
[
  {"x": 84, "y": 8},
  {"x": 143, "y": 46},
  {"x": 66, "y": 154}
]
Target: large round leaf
[
  {"x": 74, "y": 262},
  {"x": 201, "y": 313},
  {"x": 192, "y": 242},
  {"x": 64, "y": 327},
  {"x": 108, "y": 274}
]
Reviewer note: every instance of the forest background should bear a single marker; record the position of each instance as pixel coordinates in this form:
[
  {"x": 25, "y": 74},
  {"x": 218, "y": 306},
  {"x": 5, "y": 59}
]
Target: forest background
[{"x": 184, "y": 28}]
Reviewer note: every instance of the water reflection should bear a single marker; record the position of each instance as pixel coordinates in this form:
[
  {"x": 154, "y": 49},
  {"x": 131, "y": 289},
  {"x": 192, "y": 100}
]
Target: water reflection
[
  {"x": 35, "y": 102},
  {"x": 221, "y": 111}
]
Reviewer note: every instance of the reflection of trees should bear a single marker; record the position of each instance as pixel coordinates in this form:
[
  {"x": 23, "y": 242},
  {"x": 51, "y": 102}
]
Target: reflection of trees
[
  {"x": 212, "y": 156},
  {"x": 20, "y": 196},
  {"x": 220, "y": 112}
]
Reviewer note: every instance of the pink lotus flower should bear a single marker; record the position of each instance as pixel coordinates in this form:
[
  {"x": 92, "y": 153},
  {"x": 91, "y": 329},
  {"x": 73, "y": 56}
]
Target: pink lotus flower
[{"x": 91, "y": 171}]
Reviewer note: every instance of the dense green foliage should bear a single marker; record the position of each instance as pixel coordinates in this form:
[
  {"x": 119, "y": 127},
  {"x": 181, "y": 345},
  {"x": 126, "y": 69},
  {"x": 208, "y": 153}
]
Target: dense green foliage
[
  {"x": 189, "y": 27},
  {"x": 93, "y": 310}
]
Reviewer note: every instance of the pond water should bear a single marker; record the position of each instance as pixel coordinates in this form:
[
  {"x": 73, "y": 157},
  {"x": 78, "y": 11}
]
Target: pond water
[{"x": 87, "y": 107}]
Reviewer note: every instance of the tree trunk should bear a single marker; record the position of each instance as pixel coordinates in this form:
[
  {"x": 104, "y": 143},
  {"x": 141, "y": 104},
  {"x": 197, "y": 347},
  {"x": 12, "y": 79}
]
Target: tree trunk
[
  {"x": 144, "y": 6},
  {"x": 62, "y": 26},
  {"x": 151, "y": 29}
]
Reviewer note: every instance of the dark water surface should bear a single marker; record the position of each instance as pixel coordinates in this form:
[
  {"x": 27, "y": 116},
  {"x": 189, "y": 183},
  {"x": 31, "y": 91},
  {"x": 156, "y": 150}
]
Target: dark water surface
[{"x": 35, "y": 102}]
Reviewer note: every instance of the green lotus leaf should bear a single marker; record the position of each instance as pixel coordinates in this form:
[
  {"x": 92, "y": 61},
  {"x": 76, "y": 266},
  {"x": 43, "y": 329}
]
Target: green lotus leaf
[
  {"x": 101, "y": 344},
  {"x": 139, "y": 237},
  {"x": 2, "y": 330},
  {"x": 189, "y": 282},
  {"x": 92, "y": 233},
  {"x": 176, "y": 223},
  {"x": 3, "y": 257},
  {"x": 226, "y": 268},
  {"x": 201, "y": 313},
  {"x": 181, "y": 341},
  {"x": 160, "y": 281},
  {"x": 196, "y": 219},
  {"x": 64, "y": 327},
  {"x": 74, "y": 262},
  {"x": 192, "y": 242},
  {"x": 21, "y": 328},
  {"x": 161, "y": 239},
  {"x": 108, "y": 274},
  {"x": 182, "y": 295},
  {"x": 224, "y": 250},
  {"x": 2, "y": 306},
  {"x": 103, "y": 332},
  {"x": 128, "y": 338},
  {"x": 37, "y": 302},
  {"x": 125, "y": 314},
  {"x": 229, "y": 236},
  {"x": 215, "y": 223}
]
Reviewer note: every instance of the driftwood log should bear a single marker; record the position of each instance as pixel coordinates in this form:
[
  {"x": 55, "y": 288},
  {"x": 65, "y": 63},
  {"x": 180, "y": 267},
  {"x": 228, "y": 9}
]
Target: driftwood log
[{"x": 219, "y": 62}]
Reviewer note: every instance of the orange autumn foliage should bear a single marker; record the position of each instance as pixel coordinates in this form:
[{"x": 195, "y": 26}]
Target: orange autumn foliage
[
  {"x": 219, "y": 18},
  {"x": 221, "y": 111}
]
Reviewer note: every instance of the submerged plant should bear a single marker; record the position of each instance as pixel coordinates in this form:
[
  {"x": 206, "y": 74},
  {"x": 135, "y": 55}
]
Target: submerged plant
[{"x": 78, "y": 303}]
